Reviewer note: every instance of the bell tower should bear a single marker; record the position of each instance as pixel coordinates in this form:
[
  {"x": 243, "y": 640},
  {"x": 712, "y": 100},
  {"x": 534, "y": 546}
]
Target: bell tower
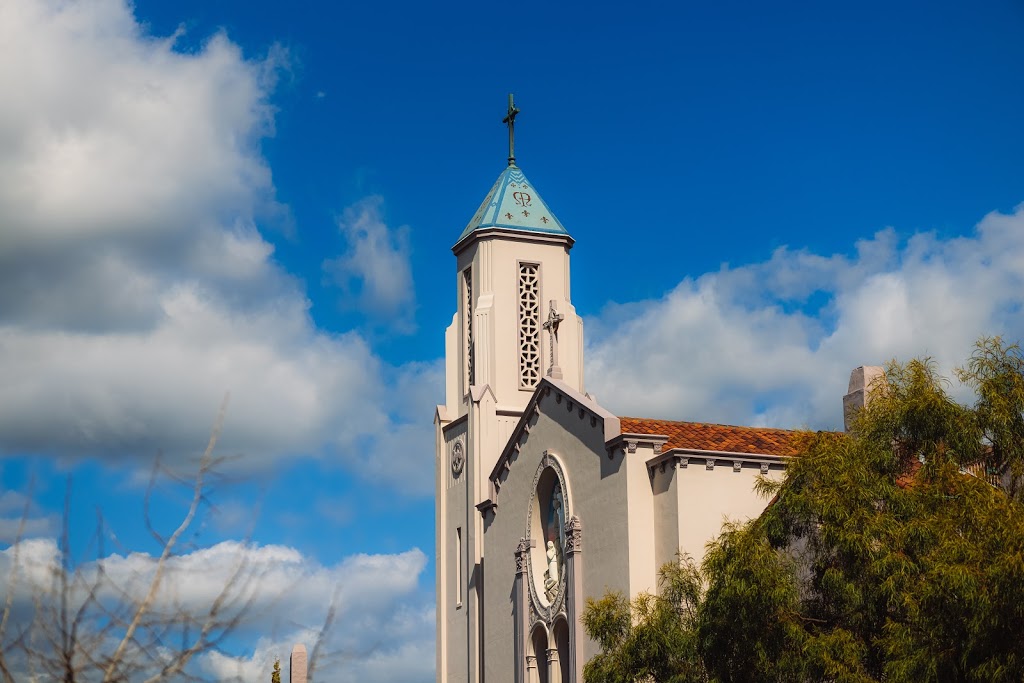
[{"x": 514, "y": 324}]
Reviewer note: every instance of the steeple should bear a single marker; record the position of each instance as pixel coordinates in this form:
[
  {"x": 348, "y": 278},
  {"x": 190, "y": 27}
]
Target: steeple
[
  {"x": 513, "y": 265},
  {"x": 514, "y": 328},
  {"x": 514, "y": 204}
]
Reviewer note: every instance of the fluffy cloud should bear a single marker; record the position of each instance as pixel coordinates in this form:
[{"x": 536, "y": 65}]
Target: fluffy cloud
[
  {"x": 374, "y": 272},
  {"x": 774, "y": 342},
  {"x": 381, "y": 615},
  {"x": 135, "y": 286}
]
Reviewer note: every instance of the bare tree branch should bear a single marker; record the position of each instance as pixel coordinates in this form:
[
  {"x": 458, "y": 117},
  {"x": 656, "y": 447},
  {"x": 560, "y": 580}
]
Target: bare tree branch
[{"x": 168, "y": 548}]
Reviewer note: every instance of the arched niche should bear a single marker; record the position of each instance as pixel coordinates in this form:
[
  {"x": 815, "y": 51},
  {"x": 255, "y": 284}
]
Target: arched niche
[
  {"x": 549, "y": 512},
  {"x": 560, "y": 636},
  {"x": 537, "y": 669}
]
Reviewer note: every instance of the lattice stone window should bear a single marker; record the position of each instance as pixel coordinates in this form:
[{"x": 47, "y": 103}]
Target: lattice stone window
[
  {"x": 529, "y": 325},
  {"x": 467, "y": 325}
]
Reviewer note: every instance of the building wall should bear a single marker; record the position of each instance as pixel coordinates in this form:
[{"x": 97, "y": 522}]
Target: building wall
[
  {"x": 634, "y": 520},
  {"x": 452, "y": 514},
  {"x": 707, "y": 498},
  {"x": 491, "y": 408},
  {"x": 598, "y": 494}
]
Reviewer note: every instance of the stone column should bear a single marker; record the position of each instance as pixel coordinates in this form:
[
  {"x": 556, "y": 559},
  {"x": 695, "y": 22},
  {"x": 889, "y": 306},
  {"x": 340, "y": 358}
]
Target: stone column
[
  {"x": 574, "y": 594},
  {"x": 554, "y": 669},
  {"x": 531, "y": 669},
  {"x": 522, "y": 611}
]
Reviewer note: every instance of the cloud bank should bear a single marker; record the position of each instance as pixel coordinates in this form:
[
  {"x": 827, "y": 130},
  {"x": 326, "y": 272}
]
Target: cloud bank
[
  {"x": 135, "y": 285},
  {"x": 773, "y": 343},
  {"x": 382, "y": 631}
]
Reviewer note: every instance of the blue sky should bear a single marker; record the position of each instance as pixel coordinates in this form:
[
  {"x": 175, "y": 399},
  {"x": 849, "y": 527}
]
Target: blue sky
[{"x": 260, "y": 198}]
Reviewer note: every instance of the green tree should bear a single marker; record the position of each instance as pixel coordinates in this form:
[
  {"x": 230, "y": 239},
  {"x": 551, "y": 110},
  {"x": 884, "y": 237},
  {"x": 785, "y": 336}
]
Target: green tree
[
  {"x": 651, "y": 639},
  {"x": 275, "y": 675},
  {"x": 894, "y": 552}
]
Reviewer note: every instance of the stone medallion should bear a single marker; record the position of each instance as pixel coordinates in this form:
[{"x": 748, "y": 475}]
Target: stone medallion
[{"x": 458, "y": 458}]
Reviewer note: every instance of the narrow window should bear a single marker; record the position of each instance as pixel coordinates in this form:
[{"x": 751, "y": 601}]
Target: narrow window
[
  {"x": 458, "y": 566},
  {"x": 467, "y": 325},
  {"x": 529, "y": 325}
]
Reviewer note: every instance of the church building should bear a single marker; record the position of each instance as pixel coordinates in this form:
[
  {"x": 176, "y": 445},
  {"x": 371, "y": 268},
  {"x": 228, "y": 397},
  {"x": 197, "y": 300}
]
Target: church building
[{"x": 544, "y": 497}]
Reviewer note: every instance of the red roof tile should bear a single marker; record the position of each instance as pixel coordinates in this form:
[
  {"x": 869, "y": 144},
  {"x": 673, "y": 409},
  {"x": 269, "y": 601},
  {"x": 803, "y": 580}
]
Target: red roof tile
[{"x": 712, "y": 437}]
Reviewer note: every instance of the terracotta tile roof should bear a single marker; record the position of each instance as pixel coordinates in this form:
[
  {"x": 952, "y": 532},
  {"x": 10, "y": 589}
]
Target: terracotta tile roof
[
  {"x": 977, "y": 469},
  {"x": 906, "y": 480},
  {"x": 712, "y": 437}
]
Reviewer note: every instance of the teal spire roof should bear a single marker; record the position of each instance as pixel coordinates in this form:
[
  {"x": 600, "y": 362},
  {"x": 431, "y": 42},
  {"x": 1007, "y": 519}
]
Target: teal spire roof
[{"x": 513, "y": 204}]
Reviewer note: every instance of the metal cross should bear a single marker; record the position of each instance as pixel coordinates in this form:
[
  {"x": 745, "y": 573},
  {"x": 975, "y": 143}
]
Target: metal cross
[
  {"x": 551, "y": 325},
  {"x": 510, "y": 121}
]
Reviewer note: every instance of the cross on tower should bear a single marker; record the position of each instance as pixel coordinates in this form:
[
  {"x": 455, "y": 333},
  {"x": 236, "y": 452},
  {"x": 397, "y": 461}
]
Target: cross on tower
[
  {"x": 551, "y": 325},
  {"x": 510, "y": 121}
]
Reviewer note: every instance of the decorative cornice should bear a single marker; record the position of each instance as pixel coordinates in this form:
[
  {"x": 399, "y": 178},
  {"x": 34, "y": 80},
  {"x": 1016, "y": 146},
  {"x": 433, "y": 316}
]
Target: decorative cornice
[
  {"x": 629, "y": 442},
  {"x": 485, "y": 506},
  {"x": 510, "y": 233},
  {"x": 681, "y": 457},
  {"x": 563, "y": 392},
  {"x": 454, "y": 423}
]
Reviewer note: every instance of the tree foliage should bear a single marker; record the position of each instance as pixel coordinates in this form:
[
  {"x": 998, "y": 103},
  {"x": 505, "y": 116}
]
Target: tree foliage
[
  {"x": 894, "y": 552},
  {"x": 652, "y": 638}
]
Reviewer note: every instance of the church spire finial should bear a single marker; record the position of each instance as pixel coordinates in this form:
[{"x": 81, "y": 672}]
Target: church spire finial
[{"x": 510, "y": 121}]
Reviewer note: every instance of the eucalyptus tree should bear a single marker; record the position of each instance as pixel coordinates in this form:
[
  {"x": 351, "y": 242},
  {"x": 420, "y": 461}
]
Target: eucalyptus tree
[{"x": 893, "y": 552}]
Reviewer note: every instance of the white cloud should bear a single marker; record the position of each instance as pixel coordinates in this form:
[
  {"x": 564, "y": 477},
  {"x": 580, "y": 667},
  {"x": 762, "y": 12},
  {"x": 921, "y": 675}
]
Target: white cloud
[
  {"x": 381, "y": 613},
  {"x": 374, "y": 272},
  {"x": 135, "y": 286},
  {"x": 751, "y": 345}
]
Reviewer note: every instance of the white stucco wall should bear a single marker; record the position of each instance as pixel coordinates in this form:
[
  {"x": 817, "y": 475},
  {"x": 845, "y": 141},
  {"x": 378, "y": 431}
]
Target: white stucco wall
[
  {"x": 707, "y": 498},
  {"x": 495, "y": 263}
]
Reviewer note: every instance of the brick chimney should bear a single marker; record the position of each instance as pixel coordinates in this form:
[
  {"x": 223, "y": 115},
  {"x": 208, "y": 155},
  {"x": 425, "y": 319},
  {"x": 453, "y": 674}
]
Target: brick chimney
[{"x": 862, "y": 381}]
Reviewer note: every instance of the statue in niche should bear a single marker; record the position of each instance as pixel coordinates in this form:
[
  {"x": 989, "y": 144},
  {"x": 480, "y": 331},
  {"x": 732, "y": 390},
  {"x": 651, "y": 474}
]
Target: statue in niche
[
  {"x": 557, "y": 519},
  {"x": 551, "y": 574},
  {"x": 555, "y": 546}
]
